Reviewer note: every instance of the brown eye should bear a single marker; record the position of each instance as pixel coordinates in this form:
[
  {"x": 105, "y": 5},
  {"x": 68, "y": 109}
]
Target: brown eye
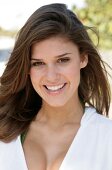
[
  {"x": 39, "y": 63},
  {"x": 63, "y": 60}
]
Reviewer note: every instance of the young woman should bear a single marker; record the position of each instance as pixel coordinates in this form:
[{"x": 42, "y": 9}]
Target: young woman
[{"x": 53, "y": 94}]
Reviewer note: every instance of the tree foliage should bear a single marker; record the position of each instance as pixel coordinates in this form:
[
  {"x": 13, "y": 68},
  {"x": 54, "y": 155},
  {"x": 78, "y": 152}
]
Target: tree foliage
[{"x": 98, "y": 13}]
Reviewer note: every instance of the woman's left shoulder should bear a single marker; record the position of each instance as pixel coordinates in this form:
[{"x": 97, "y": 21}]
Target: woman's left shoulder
[
  {"x": 99, "y": 120},
  {"x": 104, "y": 123}
]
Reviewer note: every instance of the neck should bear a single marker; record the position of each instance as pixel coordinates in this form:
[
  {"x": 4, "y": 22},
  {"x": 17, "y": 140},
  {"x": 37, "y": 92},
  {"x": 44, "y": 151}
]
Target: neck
[{"x": 59, "y": 116}]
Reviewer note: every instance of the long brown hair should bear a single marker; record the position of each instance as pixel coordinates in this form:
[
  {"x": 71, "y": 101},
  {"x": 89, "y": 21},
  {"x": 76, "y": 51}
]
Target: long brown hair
[{"x": 19, "y": 103}]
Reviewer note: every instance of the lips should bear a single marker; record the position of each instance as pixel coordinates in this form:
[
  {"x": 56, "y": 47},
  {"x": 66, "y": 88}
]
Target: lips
[{"x": 54, "y": 88}]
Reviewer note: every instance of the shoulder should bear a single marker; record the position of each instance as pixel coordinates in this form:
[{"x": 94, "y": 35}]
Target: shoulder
[
  {"x": 10, "y": 146},
  {"x": 12, "y": 155},
  {"x": 91, "y": 112},
  {"x": 100, "y": 122},
  {"x": 103, "y": 121},
  {"x": 13, "y": 142}
]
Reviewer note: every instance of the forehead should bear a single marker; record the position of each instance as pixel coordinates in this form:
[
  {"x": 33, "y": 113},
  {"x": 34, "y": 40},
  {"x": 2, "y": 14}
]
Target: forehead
[{"x": 53, "y": 46}]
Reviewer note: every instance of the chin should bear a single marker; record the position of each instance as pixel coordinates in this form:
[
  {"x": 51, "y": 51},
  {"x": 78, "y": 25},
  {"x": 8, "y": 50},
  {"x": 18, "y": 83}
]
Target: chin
[{"x": 56, "y": 104}]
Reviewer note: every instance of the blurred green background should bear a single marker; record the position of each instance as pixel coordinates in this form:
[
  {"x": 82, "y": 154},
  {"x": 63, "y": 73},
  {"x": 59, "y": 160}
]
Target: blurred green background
[{"x": 98, "y": 13}]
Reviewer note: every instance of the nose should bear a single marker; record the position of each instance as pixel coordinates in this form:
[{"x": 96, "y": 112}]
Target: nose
[{"x": 52, "y": 74}]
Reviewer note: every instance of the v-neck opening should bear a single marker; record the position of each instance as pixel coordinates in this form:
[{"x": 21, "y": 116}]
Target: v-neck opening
[
  {"x": 83, "y": 123},
  {"x": 72, "y": 143}
]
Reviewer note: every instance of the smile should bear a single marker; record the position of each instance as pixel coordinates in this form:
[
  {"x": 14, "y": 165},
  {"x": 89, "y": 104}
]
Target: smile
[{"x": 54, "y": 88}]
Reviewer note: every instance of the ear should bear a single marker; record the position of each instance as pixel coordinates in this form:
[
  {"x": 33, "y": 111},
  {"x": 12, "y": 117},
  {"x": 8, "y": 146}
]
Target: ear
[{"x": 83, "y": 61}]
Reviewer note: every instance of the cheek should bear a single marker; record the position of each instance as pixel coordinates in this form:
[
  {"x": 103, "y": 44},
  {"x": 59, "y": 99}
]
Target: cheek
[
  {"x": 73, "y": 71},
  {"x": 35, "y": 80},
  {"x": 34, "y": 76},
  {"x": 74, "y": 77}
]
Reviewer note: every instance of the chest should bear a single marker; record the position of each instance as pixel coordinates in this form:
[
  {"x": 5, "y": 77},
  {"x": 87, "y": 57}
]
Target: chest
[
  {"x": 42, "y": 160},
  {"x": 47, "y": 152}
]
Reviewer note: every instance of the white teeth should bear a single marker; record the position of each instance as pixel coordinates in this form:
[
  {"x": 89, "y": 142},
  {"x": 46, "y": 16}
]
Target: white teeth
[{"x": 53, "y": 88}]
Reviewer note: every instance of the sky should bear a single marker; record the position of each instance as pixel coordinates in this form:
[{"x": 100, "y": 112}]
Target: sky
[{"x": 14, "y": 13}]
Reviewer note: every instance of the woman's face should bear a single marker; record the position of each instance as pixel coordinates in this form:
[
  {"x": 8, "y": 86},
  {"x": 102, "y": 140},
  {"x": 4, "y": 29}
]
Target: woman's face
[{"x": 55, "y": 70}]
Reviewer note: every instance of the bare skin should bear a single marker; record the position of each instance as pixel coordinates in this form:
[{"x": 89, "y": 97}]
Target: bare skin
[{"x": 49, "y": 138}]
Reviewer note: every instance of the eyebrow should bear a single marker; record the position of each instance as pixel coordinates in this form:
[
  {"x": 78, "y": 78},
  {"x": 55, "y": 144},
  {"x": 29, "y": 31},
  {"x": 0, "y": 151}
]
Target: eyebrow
[{"x": 58, "y": 56}]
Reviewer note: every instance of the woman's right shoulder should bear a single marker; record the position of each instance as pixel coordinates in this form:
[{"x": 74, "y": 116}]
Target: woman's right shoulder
[
  {"x": 9, "y": 146},
  {"x": 12, "y": 155}
]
